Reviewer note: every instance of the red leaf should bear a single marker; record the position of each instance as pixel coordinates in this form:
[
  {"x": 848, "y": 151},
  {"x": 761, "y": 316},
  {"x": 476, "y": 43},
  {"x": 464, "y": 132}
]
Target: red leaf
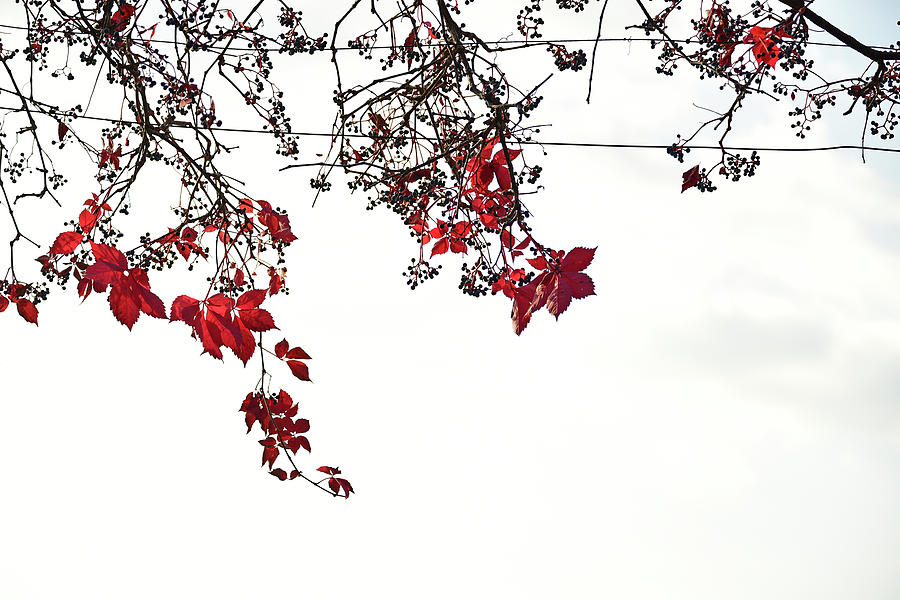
[
  {"x": 257, "y": 319},
  {"x": 440, "y": 247},
  {"x": 298, "y": 353},
  {"x": 246, "y": 344},
  {"x": 61, "y": 130},
  {"x": 27, "y": 310},
  {"x": 539, "y": 263},
  {"x": 220, "y": 304},
  {"x": 210, "y": 337},
  {"x": 275, "y": 281},
  {"x": 281, "y": 348},
  {"x": 84, "y": 288},
  {"x": 124, "y": 305},
  {"x": 690, "y": 178},
  {"x": 294, "y": 473},
  {"x": 299, "y": 369},
  {"x": 270, "y": 453},
  {"x": 66, "y": 243},
  {"x": 765, "y": 48},
  {"x": 329, "y": 470},
  {"x": 339, "y": 485},
  {"x": 185, "y": 308},
  {"x": 503, "y": 178},
  {"x": 345, "y": 486},
  {"x": 251, "y": 299},
  {"x": 521, "y": 311},
  {"x": 294, "y": 444},
  {"x": 577, "y": 259},
  {"x": 87, "y": 220},
  {"x": 280, "y": 474},
  {"x": 3, "y": 303}
]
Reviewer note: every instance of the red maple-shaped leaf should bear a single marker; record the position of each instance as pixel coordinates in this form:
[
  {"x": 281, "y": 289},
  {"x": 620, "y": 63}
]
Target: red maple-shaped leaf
[
  {"x": 765, "y": 45},
  {"x": 554, "y": 288},
  {"x": 66, "y": 242},
  {"x": 560, "y": 285},
  {"x": 108, "y": 155},
  {"x": 278, "y": 224},
  {"x": 484, "y": 168},
  {"x": 130, "y": 293},
  {"x": 220, "y": 321}
]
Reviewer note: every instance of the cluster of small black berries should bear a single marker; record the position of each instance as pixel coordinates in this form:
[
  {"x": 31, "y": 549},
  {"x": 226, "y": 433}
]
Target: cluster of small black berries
[
  {"x": 565, "y": 60},
  {"x": 420, "y": 271}
]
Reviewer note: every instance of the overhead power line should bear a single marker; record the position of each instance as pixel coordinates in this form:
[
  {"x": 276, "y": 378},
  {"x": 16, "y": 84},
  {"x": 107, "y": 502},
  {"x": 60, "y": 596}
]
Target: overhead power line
[
  {"x": 612, "y": 145},
  {"x": 531, "y": 42}
]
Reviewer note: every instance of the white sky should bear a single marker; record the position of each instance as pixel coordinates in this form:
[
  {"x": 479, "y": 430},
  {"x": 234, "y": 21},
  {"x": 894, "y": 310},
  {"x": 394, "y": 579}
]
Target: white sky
[{"x": 720, "y": 421}]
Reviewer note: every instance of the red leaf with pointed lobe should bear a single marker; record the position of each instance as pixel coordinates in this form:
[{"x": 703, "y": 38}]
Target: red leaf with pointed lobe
[
  {"x": 257, "y": 319},
  {"x": 299, "y": 369},
  {"x": 522, "y": 301},
  {"x": 27, "y": 310},
  {"x": 220, "y": 304},
  {"x": 765, "y": 48},
  {"x": 61, "y": 130},
  {"x": 275, "y": 282},
  {"x": 577, "y": 259},
  {"x": 109, "y": 266},
  {"x": 87, "y": 220},
  {"x": 329, "y": 470},
  {"x": 251, "y": 299},
  {"x": 281, "y": 348},
  {"x": 270, "y": 453},
  {"x": 185, "y": 308},
  {"x": 124, "y": 305},
  {"x": 539, "y": 263},
  {"x": 66, "y": 242},
  {"x": 440, "y": 247},
  {"x": 295, "y": 443},
  {"x": 298, "y": 354},
  {"x": 559, "y": 287},
  {"x": 339, "y": 485},
  {"x": 84, "y": 288},
  {"x": 690, "y": 178}
]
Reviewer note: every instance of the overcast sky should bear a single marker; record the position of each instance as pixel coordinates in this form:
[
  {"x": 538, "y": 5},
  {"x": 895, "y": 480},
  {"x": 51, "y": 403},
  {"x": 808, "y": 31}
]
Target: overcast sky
[{"x": 720, "y": 422}]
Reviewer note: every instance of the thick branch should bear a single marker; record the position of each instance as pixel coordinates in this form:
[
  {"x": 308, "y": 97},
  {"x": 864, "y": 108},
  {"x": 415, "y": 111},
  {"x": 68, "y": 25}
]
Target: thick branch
[{"x": 877, "y": 55}]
